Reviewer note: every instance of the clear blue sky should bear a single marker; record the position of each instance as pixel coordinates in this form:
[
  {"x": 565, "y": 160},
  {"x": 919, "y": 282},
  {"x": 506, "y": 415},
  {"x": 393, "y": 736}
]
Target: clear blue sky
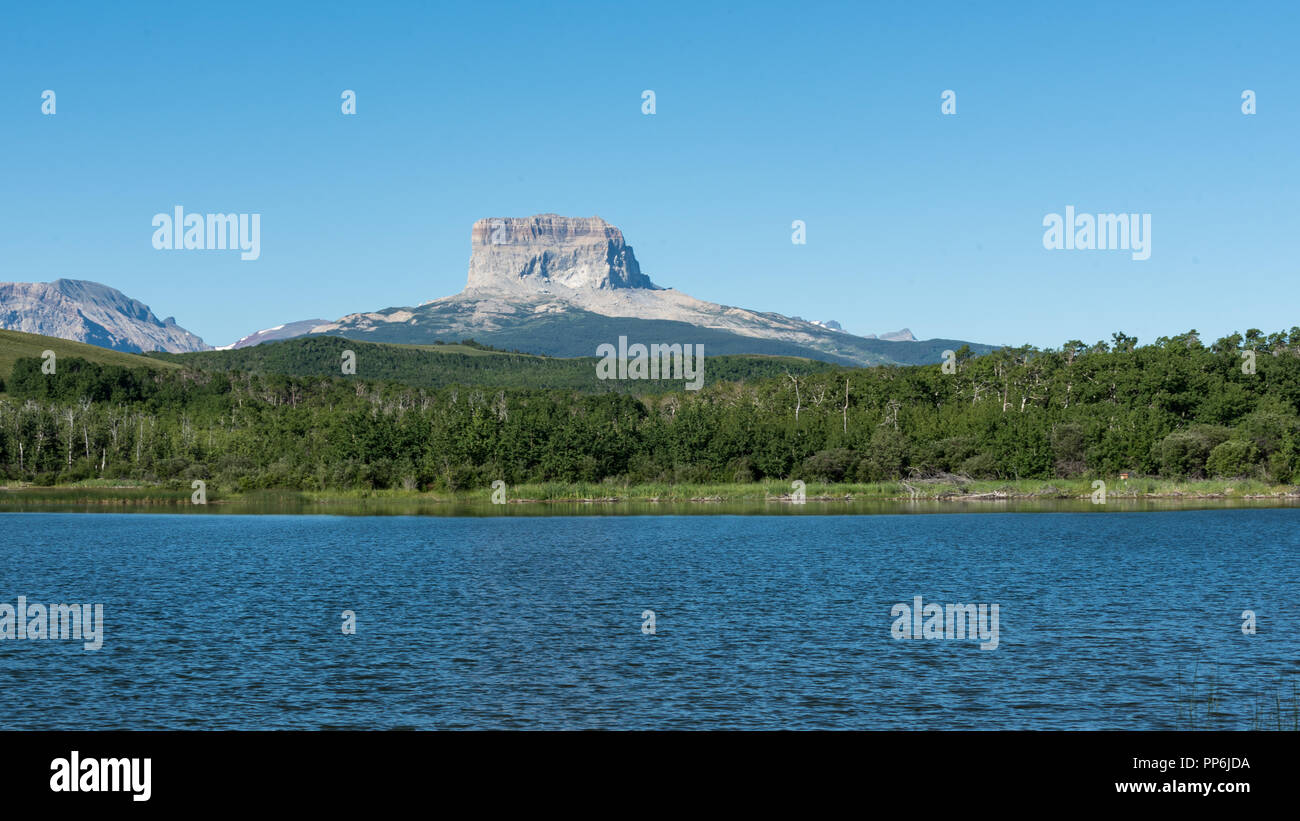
[{"x": 766, "y": 113}]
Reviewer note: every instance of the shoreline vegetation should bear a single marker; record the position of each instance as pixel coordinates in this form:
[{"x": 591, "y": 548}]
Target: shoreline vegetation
[
  {"x": 949, "y": 490},
  {"x": 1175, "y": 420}
]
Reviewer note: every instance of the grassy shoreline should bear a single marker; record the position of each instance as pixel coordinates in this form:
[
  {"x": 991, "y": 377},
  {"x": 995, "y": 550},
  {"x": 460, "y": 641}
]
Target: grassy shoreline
[{"x": 108, "y": 493}]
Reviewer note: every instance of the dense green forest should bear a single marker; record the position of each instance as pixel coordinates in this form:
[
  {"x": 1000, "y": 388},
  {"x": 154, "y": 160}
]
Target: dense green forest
[
  {"x": 468, "y": 363},
  {"x": 1174, "y": 408}
]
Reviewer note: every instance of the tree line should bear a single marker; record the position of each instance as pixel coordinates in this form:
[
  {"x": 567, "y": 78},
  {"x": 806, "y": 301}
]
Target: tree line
[
  {"x": 1173, "y": 408},
  {"x": 465, "y": 363}
]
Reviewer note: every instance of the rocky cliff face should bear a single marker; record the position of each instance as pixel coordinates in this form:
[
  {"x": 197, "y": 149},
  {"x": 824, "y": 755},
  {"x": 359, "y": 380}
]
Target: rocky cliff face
[
  {"x": 93, "y": 313},
  {"x": 531, "y": 254}
]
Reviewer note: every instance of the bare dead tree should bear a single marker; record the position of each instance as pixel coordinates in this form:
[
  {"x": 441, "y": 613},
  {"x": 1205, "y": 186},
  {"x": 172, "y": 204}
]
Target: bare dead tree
[
  {"x": 71, "y": 415},
  {"x": 819, "y": 395},
  {"x": 798, "y": 400},
  {"x": 891, "y": 413},
  {"x": 846, "y": 404}
]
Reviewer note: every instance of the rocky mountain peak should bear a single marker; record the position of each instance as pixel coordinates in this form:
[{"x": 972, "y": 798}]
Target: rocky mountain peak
[
  {"x": 905, "y": 335},
  {"x": 538, "y": 252},
  {"x": 91, "y": 312}
]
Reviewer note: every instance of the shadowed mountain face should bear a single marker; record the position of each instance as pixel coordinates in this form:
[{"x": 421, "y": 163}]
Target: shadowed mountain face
[
  {"x": 89, "y": 312},
  {"x": 562, "y": 286}
]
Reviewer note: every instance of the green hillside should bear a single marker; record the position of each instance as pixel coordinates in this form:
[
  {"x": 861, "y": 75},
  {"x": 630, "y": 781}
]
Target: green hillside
[
  {"x": 438, "y": 366},
  {"x": 15, "y": 345}
]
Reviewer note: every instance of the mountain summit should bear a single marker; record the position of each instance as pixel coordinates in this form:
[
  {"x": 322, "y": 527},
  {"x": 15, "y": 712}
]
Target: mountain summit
[{"x": 533, "y": 253}]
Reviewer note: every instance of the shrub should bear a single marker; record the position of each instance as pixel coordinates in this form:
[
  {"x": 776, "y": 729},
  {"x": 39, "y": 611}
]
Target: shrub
[
  {"x": 949, "y": 454},
  {"x": 886, "y": 458},
  {"x": 464, "y": 477},
  {"x": 980, "y": 466},
  {"x": 1183, "y": 453},
  {"x": 829, "y": 465},
  {"x": 172, "y": 467},
  {"x": 1068, "y": 448},
  {"x": 741, "y": 469},
  {"x": 1232, "y": 458}
]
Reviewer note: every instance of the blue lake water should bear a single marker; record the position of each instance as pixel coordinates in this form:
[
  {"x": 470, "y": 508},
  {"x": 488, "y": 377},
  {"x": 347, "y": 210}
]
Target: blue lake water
[{"x": 761, "y": 622}]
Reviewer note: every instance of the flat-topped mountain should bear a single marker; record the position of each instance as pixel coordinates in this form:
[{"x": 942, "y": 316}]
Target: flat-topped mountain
[
  {"x": 561, "y": 286},
  {"x": 84, "y": 311},
  {"x": 534, "y": 253}
]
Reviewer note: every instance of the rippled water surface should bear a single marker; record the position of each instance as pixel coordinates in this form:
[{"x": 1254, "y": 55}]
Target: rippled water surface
[{"x": 226, "y": 621}]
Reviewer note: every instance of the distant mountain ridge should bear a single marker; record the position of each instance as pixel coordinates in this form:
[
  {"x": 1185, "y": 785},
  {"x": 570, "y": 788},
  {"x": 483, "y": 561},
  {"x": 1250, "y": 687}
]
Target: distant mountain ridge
[
  {"x": 84, "y": 311},
  {"x": 546, "y": 284},
  {"x": 560, "y": 286},
  {"x": 289, "y": 330},
  {"x": 904, "y": 335}
]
